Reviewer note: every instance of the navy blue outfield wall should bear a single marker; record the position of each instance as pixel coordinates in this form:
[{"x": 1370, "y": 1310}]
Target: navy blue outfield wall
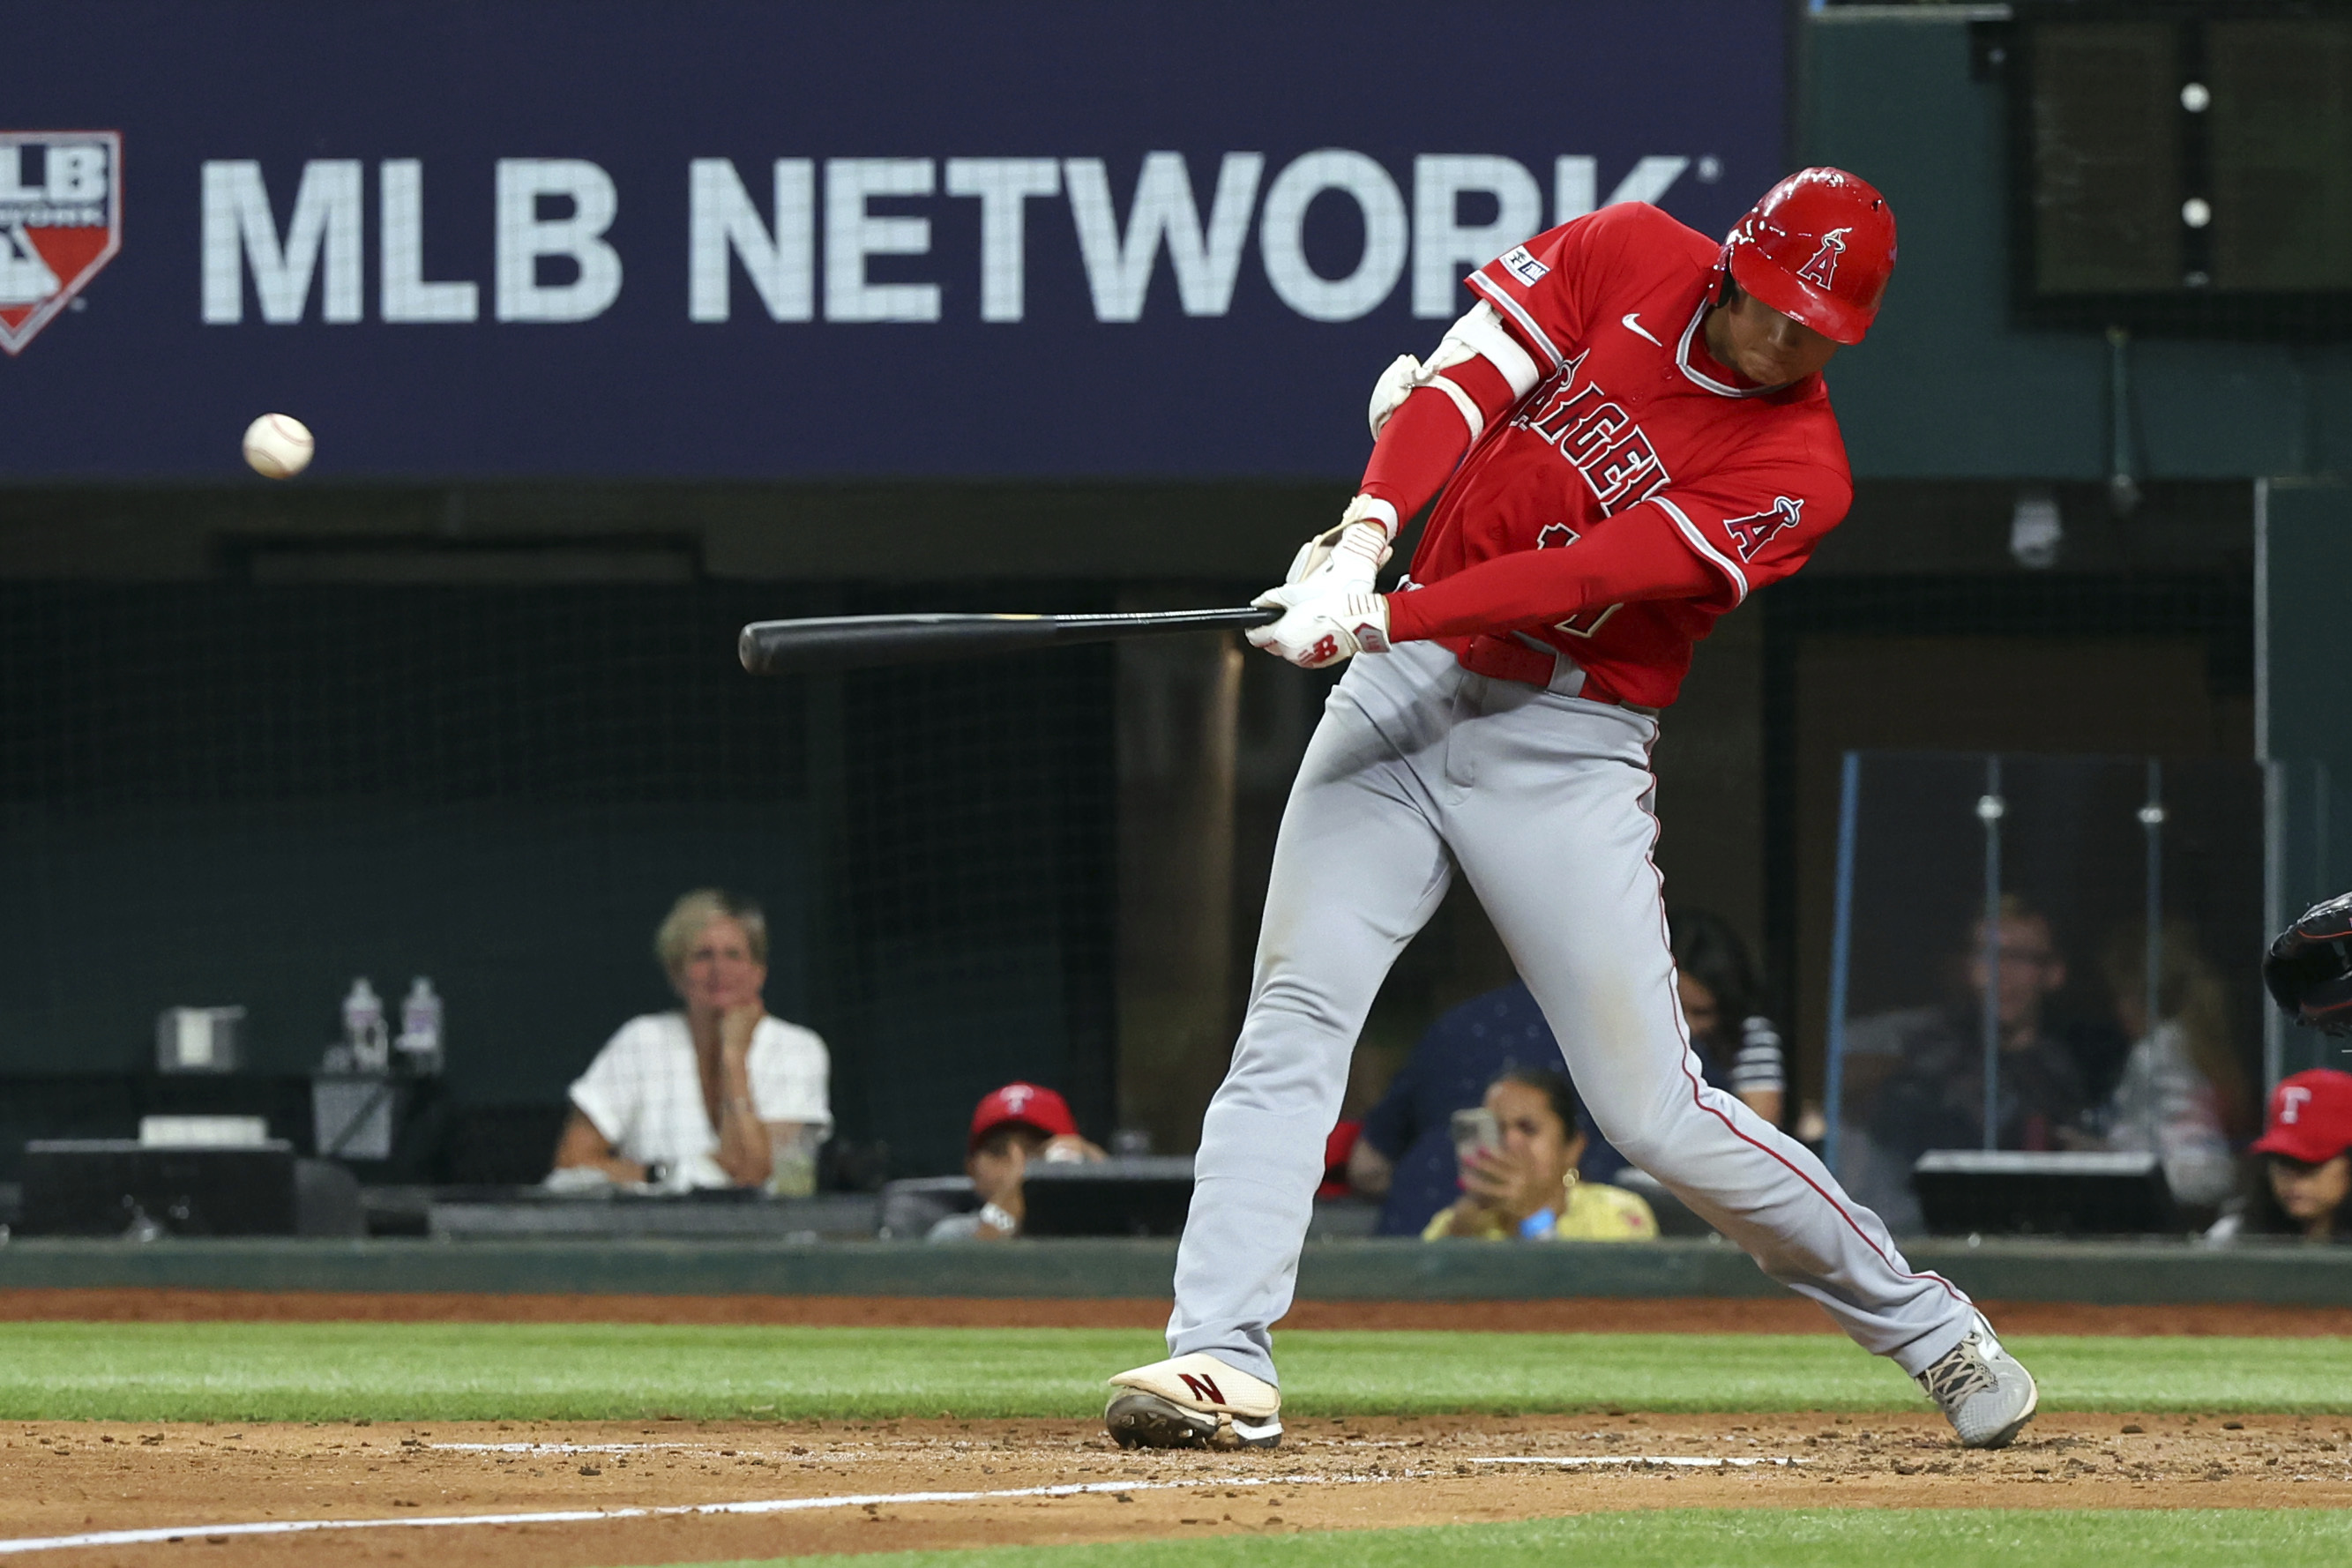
[{"x": 744, "y": 239}]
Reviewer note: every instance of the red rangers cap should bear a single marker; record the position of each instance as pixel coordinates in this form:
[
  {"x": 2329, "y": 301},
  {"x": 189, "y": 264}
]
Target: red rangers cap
[
  {"x": 1023, "y": 1105},
  {"x": 1818, "y": 248},
  {"x": 2310, "y": 1117}
]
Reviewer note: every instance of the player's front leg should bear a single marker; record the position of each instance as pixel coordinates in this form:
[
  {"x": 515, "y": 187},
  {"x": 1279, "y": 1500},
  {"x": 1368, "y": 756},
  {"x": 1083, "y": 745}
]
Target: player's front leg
[{"x": 1356, "y": 870}]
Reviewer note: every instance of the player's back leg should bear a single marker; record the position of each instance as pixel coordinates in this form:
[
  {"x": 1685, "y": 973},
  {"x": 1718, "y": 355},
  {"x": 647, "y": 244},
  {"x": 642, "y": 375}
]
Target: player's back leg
[{"x": 1557, "y": 841}]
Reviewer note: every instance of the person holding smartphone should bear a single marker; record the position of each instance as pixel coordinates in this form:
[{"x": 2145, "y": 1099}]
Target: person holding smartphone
[{"x": 1517, "y": 1154}]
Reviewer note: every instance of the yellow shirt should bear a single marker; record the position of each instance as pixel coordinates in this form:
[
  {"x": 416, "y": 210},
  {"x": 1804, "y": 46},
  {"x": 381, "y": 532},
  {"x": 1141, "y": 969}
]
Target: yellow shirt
[{"x": 1590, "y": 1210}]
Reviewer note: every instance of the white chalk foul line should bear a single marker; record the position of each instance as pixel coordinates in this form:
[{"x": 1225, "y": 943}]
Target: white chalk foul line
[
  {"x": 24, "y": 1544},
  {"x": 561, "y": 1448},
  {"x": 584, "y": 1516},
  {"x": 1686, "y": 1462},
  {"x": 704, "y": 1449}
]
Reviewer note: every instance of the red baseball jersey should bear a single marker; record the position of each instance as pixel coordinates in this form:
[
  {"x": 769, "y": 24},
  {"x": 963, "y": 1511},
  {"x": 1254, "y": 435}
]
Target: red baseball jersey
[{"x": 1630, "y": 416}]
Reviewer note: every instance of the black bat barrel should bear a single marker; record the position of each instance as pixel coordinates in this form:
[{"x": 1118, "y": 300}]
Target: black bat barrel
[{"x": 874, "y": 642}]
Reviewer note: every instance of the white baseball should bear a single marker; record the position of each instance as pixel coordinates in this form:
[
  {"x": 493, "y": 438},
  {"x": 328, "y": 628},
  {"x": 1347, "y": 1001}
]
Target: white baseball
[{"x": 278, "y": 445}]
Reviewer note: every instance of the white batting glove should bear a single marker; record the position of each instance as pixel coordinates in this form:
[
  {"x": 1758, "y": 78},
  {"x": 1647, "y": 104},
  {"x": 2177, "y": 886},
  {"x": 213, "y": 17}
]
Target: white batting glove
[
  {"x": 1322, "y": 626},
  {"x": 1357, "y": 548}
]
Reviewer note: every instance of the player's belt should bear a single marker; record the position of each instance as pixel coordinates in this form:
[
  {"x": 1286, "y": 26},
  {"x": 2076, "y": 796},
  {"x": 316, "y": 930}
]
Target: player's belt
[{"x": 1535, "y": 663}]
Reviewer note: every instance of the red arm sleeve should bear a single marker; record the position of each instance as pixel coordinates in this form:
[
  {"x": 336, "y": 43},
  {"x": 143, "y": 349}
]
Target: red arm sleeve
[
  {"x": 1427, "y": 437},
  {"x": 1638, "y": 555}
]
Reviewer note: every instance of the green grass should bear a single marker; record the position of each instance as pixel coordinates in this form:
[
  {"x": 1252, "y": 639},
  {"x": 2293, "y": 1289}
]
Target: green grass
[
  {"x": 252, "y": 1371},
  {"x": 1731, "y": 1538}
]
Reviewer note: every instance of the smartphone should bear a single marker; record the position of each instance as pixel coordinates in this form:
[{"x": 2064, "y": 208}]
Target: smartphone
[{"x": 1475, "y": 1130}]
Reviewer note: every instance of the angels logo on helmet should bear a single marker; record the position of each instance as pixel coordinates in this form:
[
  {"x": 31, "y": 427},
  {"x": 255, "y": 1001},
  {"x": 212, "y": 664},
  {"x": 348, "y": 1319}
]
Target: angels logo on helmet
[
  {"x": 1819, "y": 248},
  {"x": 1821, "y": 271}
]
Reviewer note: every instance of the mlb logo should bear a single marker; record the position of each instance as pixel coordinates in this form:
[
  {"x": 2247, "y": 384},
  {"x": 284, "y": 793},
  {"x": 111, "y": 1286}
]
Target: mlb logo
[{"x": 60, "y": 221}]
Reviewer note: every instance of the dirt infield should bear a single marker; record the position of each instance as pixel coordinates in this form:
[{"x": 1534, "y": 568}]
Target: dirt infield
[
  {"x": 571, "y": 1495},
  {"x": 1770, "y": 1314},
  {"x": 842, "y": 1486}
]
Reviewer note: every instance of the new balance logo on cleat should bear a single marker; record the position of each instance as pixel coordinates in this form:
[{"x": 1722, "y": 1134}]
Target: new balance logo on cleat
[
  {"x": 1184, "y": 1403},
  {"x": 1204, "y": 1388}
]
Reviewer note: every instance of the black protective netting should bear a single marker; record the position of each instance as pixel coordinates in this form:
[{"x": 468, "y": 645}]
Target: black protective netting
[{"x": 220, "y": 793}]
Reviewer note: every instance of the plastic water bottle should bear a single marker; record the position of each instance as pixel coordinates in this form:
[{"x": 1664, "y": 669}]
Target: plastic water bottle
[
  {"x": 363, "y": 1028},
  {"x": 420, "y": 1028}
]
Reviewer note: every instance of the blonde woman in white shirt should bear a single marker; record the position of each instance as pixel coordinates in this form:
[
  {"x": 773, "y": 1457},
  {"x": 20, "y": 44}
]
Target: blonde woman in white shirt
[{"x": 707, "y": 1095}]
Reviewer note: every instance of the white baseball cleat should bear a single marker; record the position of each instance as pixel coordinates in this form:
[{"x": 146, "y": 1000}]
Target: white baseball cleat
[
  {"x": 1193, "y": 1402},
  {"x": 1983, "y": 1392}
]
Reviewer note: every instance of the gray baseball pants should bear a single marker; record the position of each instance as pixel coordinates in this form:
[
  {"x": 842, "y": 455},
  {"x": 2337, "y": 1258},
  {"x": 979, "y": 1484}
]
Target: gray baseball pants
[{"x": 1542, "y": 800}]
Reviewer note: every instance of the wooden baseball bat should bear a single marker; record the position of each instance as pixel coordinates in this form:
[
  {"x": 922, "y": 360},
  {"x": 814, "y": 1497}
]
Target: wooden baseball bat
[{"x": 872, "y": 642}]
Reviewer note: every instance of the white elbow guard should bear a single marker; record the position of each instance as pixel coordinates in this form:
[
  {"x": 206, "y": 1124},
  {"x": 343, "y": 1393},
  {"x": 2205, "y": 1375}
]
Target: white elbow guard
[
  {"x": 1479, "y": 334},
  {"x": 1396, "y": 383}
]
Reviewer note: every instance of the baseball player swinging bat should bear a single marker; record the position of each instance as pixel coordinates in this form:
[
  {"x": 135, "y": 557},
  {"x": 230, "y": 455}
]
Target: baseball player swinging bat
[
  {"x": 1627, "y": 433},
  {"x": 872, "y": 642}
]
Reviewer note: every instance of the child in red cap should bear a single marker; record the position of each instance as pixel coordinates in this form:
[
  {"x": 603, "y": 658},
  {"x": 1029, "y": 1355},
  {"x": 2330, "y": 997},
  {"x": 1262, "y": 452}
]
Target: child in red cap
[
  {"x": 1011, "y": 1126},
  {"x": 2308, "y": 1141}
]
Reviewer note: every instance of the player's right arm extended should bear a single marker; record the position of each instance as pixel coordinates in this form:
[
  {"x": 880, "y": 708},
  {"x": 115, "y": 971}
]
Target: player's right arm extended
[{"x": 1639, "y": 555}]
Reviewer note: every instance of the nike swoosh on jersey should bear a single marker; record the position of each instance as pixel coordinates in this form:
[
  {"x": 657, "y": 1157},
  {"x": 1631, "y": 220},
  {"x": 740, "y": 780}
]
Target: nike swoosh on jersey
[{"x": 1632, "y": 320}]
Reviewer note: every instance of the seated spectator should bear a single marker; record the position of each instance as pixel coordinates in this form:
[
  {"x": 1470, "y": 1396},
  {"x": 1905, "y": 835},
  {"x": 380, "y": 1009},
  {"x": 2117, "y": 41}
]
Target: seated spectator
[
  {"x": 1528, "y": 1188},
  {"x": 1739, "y": 1049},
  {"x": 2182, "y": 1093},
  {"x": 2304, "y": 1185},
  {"x": 1932, "y": 1059},
  {"x": 709, "y": 1095},
  {"x": 1405, "y": 1154},
  {"x": 1011, "y": 1126}
]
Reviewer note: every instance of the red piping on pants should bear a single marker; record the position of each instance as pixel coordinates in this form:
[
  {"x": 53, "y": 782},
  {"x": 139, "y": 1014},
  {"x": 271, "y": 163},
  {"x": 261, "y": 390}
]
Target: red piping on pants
[{"x": 1656, "y": 829}]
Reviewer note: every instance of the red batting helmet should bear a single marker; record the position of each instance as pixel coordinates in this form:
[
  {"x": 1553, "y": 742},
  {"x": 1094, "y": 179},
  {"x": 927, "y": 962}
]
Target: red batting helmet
[{"x": 1819, "y": 248}]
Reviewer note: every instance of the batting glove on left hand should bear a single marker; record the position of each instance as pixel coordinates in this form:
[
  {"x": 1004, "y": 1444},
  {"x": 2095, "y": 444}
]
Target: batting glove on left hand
[
  {"x": 1350, "y": 556},
  {"x": 1321, "y": 626}
]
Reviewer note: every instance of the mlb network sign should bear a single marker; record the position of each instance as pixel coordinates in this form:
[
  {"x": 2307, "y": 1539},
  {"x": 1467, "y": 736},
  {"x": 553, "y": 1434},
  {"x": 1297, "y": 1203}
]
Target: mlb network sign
[
  {"x": 60, "y": 221},
  {"x": 766, "y": 240},
  {"x": 553, "y": 216}
]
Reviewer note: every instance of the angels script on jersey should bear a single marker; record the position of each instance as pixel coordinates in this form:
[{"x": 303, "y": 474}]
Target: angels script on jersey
[
  {"x": 1601, "y": 441},
  {"x": 1596, "y": 437}
]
